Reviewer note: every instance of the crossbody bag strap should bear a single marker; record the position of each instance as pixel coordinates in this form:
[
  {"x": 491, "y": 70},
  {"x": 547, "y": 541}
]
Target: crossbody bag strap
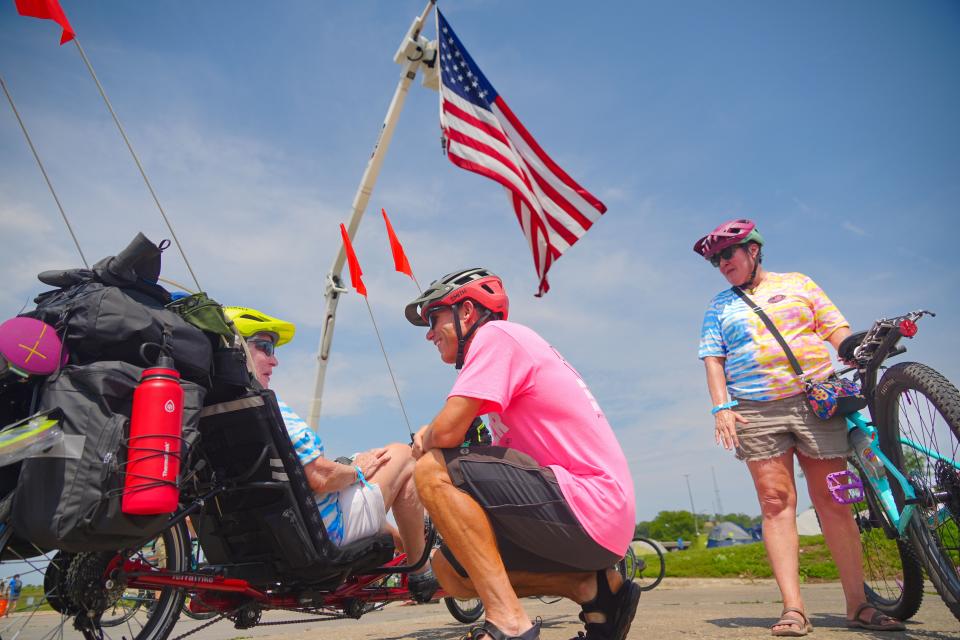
[{"x": 773, "y": 329}]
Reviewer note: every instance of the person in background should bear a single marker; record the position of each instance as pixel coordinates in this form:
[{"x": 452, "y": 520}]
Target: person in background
[
  {"x": 13, "y": 593},
  {"x": 760, "y": 410},
  {"x": 353, "y": 497}
]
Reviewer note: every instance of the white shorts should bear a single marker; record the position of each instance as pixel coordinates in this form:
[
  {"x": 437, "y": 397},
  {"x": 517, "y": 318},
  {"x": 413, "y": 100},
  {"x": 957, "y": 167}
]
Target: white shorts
[{"x": 362, "y": 511}]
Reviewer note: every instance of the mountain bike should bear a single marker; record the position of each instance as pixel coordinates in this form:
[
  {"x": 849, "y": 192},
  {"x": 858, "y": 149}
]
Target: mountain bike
[{"x": 904, "y": 480}]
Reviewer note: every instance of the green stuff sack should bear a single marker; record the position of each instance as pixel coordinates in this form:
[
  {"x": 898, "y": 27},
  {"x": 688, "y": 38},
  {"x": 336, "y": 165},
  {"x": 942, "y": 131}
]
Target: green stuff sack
[{"x": 204, "y": 313}]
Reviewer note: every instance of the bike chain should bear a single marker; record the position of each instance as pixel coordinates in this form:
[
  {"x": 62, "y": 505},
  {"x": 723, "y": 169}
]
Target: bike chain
[{"x": 231, "y": 614}]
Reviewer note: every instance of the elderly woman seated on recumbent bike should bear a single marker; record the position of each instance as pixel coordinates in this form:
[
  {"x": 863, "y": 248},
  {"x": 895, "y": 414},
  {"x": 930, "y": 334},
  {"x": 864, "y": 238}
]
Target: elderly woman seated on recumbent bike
[{"x": 352, "y": 498}]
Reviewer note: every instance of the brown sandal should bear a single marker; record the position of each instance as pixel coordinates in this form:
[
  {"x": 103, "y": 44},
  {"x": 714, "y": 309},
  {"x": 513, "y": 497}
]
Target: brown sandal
[
  {"x": 795, "y": 628},
  {"x": 879, "y": 621}
]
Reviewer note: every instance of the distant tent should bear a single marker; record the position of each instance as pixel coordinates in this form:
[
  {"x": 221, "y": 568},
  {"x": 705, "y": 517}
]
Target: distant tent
[
  {"x": 808, "y": 524},
  {"x": 726, "y": 534}
]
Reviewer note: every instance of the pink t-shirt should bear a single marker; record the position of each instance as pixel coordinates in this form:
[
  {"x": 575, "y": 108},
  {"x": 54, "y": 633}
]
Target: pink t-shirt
[{"x": 538, "y": 404}]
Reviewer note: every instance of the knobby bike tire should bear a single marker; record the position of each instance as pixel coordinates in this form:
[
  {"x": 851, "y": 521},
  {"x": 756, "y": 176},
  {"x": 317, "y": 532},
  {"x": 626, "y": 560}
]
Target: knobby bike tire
[
  {"x": 649, "y": 575},
  {"x": 893, "y": 580},
  {"x": 918, "y": 403},
  {"x": 466, "y": 611},
  {"x": 67, "y": 577}
]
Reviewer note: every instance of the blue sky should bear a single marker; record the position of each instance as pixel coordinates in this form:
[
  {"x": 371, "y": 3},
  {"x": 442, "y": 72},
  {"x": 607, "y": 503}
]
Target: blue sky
[{"x": 832, "y": 124}]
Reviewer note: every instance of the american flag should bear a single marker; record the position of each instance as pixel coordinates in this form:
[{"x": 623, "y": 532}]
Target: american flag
[{"x": 484, "y": 136}]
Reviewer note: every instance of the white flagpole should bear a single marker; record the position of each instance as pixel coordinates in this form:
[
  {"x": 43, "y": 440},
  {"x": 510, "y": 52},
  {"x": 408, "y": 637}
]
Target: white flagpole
[{"x": 414, "y": 50}]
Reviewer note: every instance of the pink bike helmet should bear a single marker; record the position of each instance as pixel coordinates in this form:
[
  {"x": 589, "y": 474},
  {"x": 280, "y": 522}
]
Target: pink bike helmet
[
  {"x": 730, "y": 233},
  {"x": 477, "y": 284}
]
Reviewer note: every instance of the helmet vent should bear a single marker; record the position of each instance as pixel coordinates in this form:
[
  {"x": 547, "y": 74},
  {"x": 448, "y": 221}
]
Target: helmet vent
[{"x": 487, "y": 288}]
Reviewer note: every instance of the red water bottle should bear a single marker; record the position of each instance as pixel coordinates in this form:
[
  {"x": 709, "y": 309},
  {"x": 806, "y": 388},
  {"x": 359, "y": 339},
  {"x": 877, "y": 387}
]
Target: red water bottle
[{"x": 153, "y": 460}]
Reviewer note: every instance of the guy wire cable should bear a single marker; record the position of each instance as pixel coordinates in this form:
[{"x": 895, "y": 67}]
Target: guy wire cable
[
  {"x": 44, "y": 172},
  {"x": 389, "y": 368},
  {"x": 136, "y": 159}
]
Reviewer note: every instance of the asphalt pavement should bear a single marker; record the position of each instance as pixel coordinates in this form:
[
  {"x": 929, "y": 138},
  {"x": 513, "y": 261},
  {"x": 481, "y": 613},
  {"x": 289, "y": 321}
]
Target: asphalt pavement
[{"x": 694, "y": 608}]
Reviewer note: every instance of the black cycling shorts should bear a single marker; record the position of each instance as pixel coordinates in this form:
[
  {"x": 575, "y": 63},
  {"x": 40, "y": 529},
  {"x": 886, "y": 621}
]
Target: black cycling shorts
[{"x": 536, "y": 530}]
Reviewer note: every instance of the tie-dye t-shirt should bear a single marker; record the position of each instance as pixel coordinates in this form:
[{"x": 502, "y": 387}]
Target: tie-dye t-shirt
[{"x": 756, "y": 366}]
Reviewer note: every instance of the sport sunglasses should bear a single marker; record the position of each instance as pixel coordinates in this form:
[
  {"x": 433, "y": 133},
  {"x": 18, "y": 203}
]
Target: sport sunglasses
[
  {"x": 266, "y": 346},
  {"x": 725, "y": 254},
  {"x": 432, "y": 317}
]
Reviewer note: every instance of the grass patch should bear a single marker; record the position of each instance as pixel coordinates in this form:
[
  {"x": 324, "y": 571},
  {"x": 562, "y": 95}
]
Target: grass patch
[{"x": 750, "y": 561}]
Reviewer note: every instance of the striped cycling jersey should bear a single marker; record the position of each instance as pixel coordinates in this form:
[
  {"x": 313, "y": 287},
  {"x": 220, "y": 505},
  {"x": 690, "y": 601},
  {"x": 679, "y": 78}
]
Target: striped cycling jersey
[
  {"x": 309, "y": 447},
  {"x": 756, "y": 366}
]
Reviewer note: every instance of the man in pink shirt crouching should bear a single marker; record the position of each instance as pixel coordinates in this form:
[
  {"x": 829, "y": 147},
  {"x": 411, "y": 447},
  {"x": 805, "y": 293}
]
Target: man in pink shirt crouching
[{"x": 548, "y": 509}]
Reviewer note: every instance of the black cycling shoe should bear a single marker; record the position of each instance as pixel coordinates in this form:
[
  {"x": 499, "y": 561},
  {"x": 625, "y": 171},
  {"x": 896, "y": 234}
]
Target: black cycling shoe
[
  {"x": 422, "y": 586},
  {"x": 618, "y": 610},
  {"x": 490, "y": 630}
]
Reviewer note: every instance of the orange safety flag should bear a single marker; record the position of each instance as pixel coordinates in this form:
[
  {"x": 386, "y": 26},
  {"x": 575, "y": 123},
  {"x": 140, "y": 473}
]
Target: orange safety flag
[
  {"x": 355, "y": 273},
  {"x": 400, "y": 262},
  {"x": 47, "y": 10}
]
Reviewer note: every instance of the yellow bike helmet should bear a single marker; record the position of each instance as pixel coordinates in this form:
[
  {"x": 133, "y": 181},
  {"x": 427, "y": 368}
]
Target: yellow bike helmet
[{"x": 250, "y": 322}]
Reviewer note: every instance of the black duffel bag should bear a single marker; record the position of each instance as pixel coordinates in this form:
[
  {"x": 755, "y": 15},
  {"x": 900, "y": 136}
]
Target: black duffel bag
[
  {"x": 73, "y": 502},
  {"x": 111, "y": 311}
]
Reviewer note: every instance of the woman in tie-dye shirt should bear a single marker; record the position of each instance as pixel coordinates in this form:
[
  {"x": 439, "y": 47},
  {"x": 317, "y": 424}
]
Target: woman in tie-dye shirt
[{"x": 759, "y": 409}]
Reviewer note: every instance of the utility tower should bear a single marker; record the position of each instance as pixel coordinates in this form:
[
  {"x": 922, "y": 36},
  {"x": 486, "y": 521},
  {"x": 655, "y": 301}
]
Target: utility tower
[{"x": 716, "y": 495}]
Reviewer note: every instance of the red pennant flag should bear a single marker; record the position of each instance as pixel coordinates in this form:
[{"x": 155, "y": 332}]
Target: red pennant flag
[
  {"x": 47, "y": 10},
  {"x": 400, "y": 262},
  {"x": 355, "y": 273}
]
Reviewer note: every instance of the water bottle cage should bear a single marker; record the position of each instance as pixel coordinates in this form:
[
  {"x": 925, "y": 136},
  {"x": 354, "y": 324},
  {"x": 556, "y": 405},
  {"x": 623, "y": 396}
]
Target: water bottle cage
[{"x": 151, "y": 452}]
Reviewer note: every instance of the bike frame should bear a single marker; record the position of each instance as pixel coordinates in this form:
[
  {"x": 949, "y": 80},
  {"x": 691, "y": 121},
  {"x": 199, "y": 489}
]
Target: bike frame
[
  {"x": 899, "y": 519},
  {"x": 141, "y": 575},
  {"x": 886, "y": 346}
]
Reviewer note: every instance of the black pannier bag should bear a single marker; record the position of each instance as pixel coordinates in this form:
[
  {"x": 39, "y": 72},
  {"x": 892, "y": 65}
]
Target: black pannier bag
[
  {"x": 111, "y": 311},
  {"x": 73, "y": 503}
]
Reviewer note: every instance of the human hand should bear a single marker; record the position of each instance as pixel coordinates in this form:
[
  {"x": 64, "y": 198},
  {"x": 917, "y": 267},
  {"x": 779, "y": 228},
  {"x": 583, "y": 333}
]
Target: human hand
[
  {"x": 370, "y": 461},
  {"x": 417, "y": 449},
  {"x": 725, "y": 429}
]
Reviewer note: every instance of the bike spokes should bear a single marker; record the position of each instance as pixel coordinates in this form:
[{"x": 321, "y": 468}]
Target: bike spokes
[{"x": 929, "y": 448}]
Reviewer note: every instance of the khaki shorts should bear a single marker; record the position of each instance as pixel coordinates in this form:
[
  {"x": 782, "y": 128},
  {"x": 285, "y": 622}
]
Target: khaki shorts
[{"x": 777, "y": 426}]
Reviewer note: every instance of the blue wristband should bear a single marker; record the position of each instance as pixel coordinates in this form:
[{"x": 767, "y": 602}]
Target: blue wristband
[
  {"x": 721, "y": 407},
  {"x": 362, "y": 478}
]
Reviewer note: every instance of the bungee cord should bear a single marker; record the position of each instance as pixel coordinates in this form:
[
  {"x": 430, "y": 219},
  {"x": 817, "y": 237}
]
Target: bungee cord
[{"x": 36, "y": 157}]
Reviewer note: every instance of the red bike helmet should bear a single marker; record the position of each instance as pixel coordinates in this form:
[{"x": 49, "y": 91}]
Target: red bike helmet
[
  {"x": 730, "y": 233},
  {"x": 477, "y": 284}
]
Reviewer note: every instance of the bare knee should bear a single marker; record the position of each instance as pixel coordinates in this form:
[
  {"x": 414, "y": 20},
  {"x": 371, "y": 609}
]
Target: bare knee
[
  {"x": 429, "y": 474},
  {"x": 399, "y": 451},
  {"x": 774, "y": 501}
]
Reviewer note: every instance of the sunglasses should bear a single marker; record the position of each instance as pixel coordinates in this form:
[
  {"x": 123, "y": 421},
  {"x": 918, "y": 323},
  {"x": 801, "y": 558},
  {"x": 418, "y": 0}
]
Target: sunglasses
[
  {"x": 432, "y": 319},
  {"x": 266, "y": 346},
  {"x": 726, "y": 254}
]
